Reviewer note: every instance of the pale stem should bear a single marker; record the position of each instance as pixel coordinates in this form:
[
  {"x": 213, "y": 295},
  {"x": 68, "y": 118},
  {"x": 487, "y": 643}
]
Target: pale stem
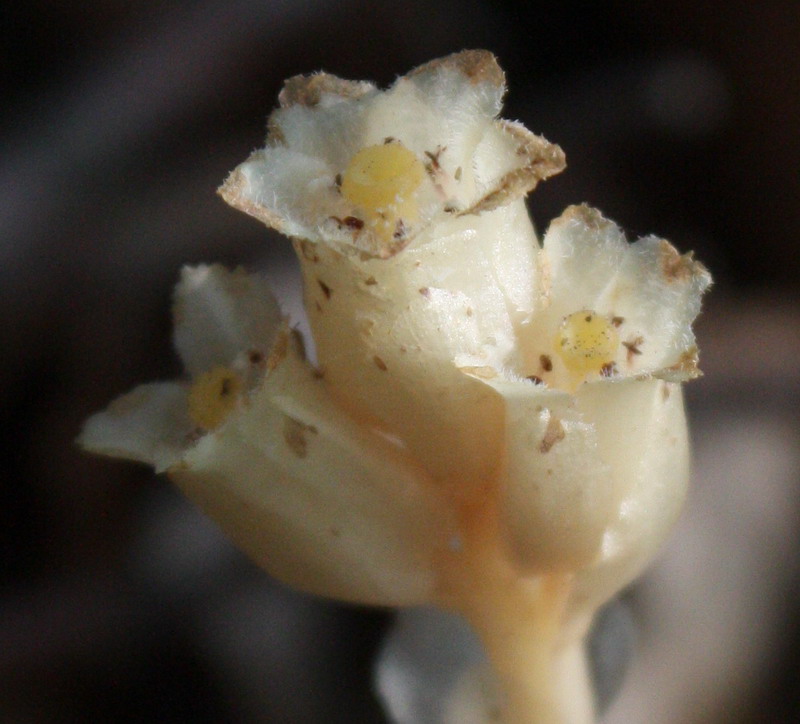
[
  {"x": 536, "y": 651},
  {"x": 539, "y": 662}
]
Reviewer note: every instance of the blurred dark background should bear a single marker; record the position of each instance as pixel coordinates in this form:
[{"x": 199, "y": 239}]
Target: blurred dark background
[{"x": 120, "y": 119}]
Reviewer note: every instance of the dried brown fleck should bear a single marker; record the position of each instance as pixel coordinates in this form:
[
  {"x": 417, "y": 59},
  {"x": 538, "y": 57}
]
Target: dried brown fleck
[
  {"x": 353, "y": 222},
  {"x": 433, "y": 166},
  {"x": 399, "y": 230},
  {"x": 469, "y": 311},
  {"x": 480, "y": 66},
  {"x": 308, "y": 90},
  {"x": 546, "y": 362},
  {"x": 255, "y": 357},
  {"x": 389, "y": 139},
  {"x": 279, "y": 350},
  {"x": 425, "y": 292},
  {"x": 326, "y": 290},
  {"x": 633, "y": 345},
  {"x": 554, "y": 433},
  {"x": 457, "y": 174},
  {"x": 379, "y": 363},
  {"x": 617, "y": 321},
  {"x": 337, "y": 180},
  {"x": 370, "y": 281},
  {"x": 687, "y": 364},
  {"x": 275, "y": 134},
  {"x": 609, "y": 369},
  {"x": 307, "y": 250},
  {"x": 674, "y": 266},
  {"x": 295, "y": 434},
  {"x": 666, "y": 391},
  {"x": 540, "y": 161},
  {"x": 586, "y": 215}
]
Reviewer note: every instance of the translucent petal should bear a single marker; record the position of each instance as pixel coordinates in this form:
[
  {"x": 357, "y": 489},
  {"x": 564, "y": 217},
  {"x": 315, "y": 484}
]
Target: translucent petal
[
  {"x": 220, "y": 315},
  {"x": 148, "y": 425}
]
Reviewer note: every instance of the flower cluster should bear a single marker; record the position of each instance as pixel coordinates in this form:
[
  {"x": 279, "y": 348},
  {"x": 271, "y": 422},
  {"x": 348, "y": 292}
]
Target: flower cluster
[{"x": 484, "y": 410}]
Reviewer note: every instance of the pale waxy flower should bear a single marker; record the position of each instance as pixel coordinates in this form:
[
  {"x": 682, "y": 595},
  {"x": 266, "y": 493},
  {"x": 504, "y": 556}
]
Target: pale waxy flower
[{"x": 492, "y": 425}]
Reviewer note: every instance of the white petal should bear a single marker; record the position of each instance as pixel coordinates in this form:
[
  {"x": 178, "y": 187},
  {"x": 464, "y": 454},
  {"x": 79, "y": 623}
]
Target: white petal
[
  {"x": 509, "y": 162},
  {"x": 290, "y": 191},
  {"x": 322, "y": 503},
  {"x": 584, "y": 251},
  {"x": 443, "y": 111},
  {"x": 668, "y": 301},
  {"x": 221, "y": 314},
  {"x": 652, "y": 291},
  {"x": 318, "y": 108},
  {"x": 148, "y": 425}
]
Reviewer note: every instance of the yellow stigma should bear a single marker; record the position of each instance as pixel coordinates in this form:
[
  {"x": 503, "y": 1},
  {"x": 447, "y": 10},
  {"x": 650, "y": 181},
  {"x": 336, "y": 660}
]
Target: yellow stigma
[
  {"x": 379, "y": 177},
  {"x": 213, "y": 397},
  {"x": 586, "y": 342},
  {"x": 383, "y": 182}
]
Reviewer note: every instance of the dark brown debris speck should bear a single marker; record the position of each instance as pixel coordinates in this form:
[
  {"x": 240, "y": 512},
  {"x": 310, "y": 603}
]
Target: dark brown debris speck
[
  {"x": 295, "y": 434},
  {"x": 554, "y": 433},
  {"x": 609, "y": 369},
  {"x": 632, "y": 345}
]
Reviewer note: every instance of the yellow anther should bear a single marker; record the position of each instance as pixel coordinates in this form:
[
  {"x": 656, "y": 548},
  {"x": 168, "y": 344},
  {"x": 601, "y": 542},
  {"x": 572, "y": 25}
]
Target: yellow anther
[
  {"x": 586, "y": 342},
  {"x": 213, "y": 397}
]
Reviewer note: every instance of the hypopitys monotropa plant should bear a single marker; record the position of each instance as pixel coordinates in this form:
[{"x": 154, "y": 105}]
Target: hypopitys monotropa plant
[{"x": 492, "y": 426}]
